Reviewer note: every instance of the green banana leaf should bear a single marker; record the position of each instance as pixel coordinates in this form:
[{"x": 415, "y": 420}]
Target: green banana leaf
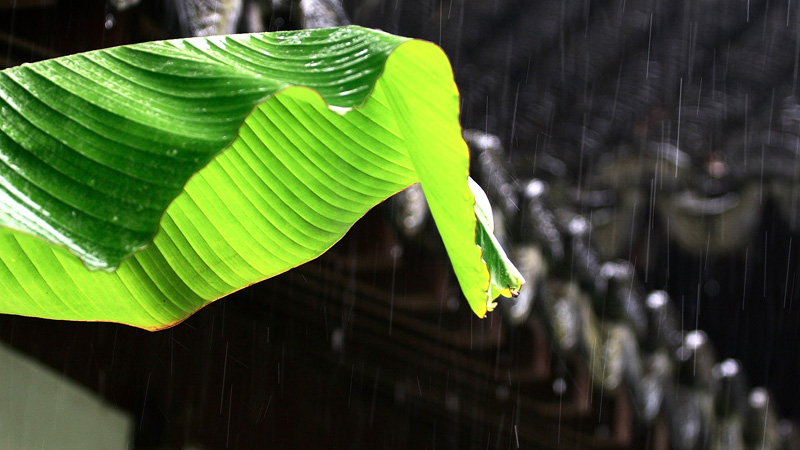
[{"x": 185, "y": 170}]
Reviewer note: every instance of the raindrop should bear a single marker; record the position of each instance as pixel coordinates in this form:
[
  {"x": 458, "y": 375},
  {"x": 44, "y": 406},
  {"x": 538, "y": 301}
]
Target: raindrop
[
  {"x": 578, "y": 225},
  {"x": 657, "y": 299},
  {"x": 727, "y": 368},
  {"x": 695, "y": 339},
  {"x": 758, "y": 398},
  {"x": 110, "y": 21},
  {"x": 559, "y": 387},
  {"x": 535, "y": 188}
]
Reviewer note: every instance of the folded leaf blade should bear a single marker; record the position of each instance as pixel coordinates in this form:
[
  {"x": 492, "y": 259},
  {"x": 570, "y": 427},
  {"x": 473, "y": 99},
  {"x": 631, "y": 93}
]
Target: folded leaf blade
[
  {"x": 98, "y": 144},
  {"x": 296, "y": 173}
]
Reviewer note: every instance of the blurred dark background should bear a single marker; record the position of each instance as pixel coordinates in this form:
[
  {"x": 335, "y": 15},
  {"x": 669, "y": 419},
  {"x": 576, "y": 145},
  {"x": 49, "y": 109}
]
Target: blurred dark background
[{"x": 642, "y": 156}]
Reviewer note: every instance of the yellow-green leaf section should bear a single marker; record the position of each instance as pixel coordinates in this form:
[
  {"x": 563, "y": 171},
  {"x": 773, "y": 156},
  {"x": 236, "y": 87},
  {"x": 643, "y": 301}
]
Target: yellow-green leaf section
[{"x": 93, "y": 148}]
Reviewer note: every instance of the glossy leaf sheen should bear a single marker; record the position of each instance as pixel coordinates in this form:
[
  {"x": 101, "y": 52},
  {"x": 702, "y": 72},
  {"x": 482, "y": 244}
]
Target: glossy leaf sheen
[{"x": 95, "y": 147}]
